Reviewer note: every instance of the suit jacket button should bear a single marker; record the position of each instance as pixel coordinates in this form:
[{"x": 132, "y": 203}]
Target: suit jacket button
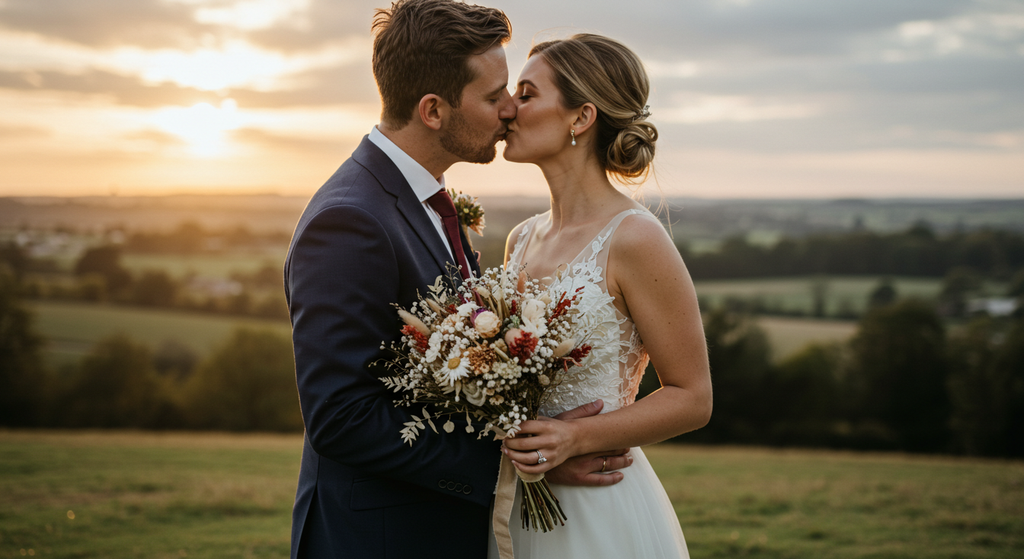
[
  {"x": 467, "y": 489},
  {"x": 450, "y": 486},
  {"x": 441, "y": 484}
]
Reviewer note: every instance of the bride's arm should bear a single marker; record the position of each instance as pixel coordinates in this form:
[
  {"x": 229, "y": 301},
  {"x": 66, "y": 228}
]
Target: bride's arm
[{"x": 652, "y": 286}]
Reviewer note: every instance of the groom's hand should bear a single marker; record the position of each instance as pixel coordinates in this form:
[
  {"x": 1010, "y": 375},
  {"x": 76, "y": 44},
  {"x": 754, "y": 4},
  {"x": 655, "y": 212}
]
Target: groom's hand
[{"x": 589, "y": 469}]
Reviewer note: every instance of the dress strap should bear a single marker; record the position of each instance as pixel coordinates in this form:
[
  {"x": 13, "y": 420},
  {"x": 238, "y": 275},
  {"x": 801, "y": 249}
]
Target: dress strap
[
  {"x": 522, "y": 241},
  {"x": 600, "y": 241}
]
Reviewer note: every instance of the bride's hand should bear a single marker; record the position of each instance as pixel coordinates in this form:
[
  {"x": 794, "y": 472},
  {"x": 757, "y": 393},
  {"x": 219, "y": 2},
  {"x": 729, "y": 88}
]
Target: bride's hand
[{"x": 553, "y": 438}]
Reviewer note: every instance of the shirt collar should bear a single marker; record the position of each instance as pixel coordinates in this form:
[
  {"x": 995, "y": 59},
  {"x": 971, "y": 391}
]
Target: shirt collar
[{"x": 423, "y": 184}]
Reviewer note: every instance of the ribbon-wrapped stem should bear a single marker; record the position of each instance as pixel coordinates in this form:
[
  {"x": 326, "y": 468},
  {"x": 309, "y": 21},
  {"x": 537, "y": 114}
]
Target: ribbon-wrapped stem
[{"x": 540, "y": 509}]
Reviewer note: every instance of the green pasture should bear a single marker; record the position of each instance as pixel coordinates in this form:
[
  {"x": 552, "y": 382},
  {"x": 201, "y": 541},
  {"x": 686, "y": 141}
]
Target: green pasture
[
  {"x": 842, "y": 294},
  {"x": 789, "y": 335},
  {"x": 206, "y": 265},
  {"x": 170, "y": 495},
  {"x": 71, "y": 329}
]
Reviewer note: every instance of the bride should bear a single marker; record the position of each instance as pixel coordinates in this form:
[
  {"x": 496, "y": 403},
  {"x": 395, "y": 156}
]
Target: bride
[{"x": 582, "y": 118}]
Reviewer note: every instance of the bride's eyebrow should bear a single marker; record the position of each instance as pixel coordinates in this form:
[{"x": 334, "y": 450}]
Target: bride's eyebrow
[{"x": 526, "y": 82}]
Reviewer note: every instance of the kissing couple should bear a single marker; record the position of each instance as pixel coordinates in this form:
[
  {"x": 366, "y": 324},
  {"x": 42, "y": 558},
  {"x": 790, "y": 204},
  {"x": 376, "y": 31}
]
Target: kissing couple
[{"x": 383, "y": 228}]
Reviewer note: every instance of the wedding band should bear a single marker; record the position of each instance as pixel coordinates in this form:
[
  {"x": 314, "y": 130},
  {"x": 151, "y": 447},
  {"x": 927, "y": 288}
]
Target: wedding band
[
  {"x": 604, "y": 464},
  {"x": 540, "y": 457}
]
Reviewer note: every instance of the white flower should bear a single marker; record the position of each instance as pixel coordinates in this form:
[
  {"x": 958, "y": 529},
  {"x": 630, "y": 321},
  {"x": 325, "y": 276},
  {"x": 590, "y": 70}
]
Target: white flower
[
  {"x": 455, "y": 368},
  {"x": 488, "y": 324},
  {"x": 433, "y": 347},
  {"x": 532, "y": 314}
]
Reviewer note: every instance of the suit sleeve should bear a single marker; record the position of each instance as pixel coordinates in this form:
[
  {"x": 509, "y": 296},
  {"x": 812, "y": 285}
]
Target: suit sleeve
[{"x": 343, "y": 278}]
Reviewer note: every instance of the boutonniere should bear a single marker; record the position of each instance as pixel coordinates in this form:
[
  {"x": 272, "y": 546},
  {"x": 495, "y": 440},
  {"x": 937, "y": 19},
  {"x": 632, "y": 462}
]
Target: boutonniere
[{"x": 471, "y": 214}]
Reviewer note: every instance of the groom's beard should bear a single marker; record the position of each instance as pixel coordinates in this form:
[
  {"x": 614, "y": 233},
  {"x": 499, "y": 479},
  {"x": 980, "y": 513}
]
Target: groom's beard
[{"x": 457, "y": 139}]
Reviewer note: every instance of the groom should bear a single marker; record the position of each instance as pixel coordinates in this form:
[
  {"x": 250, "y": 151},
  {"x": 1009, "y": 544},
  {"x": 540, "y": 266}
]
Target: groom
[{"x": 372, "y": 236}]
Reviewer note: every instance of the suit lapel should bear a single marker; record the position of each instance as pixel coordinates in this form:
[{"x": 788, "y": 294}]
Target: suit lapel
[{"x": 391, "y": 179}]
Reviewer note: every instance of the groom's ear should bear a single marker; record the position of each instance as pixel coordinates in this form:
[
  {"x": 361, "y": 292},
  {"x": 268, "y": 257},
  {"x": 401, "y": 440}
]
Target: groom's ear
[
  {"x": 433, "y": 110},
  {"x": 586, "y": 116}
]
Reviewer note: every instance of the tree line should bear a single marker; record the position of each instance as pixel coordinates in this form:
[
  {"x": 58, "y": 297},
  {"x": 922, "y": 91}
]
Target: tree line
[
  {"x": 903, "y": 382},
  {"x": 247, "y": 383},
  {"x": 917, "y": 251}
]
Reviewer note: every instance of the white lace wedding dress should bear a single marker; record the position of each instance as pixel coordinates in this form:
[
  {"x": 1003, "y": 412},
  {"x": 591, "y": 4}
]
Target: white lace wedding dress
[{"x": 634, "y": 518}]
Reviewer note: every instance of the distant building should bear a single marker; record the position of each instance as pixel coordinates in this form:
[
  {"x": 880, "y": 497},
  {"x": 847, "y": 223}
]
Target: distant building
[{"x": 993, "y": 306}]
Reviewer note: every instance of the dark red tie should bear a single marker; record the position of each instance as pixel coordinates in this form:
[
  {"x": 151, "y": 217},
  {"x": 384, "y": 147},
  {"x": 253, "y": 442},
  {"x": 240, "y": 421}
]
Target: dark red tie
[{"x": 443, "y": 205}]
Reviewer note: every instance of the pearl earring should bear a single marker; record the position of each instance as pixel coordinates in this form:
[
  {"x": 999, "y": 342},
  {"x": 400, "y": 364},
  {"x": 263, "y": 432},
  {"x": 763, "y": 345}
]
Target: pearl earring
[{"x": 572, "y": 132}]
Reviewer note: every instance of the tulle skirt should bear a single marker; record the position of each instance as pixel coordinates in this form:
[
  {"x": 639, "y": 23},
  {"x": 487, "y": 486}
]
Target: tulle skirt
[{"x": 633, "y": 518}]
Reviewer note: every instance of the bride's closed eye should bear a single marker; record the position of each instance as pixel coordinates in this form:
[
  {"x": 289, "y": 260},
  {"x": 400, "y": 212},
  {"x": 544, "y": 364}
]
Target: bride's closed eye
[{"x": 524, "y": 97}]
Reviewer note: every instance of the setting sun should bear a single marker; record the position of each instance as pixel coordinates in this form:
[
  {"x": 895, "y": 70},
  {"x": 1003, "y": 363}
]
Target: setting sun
[{"x": 203, "y": 126}]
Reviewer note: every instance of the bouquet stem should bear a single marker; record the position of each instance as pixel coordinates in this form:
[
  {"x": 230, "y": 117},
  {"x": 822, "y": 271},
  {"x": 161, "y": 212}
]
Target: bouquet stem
[{"x": 540, "y": 509}]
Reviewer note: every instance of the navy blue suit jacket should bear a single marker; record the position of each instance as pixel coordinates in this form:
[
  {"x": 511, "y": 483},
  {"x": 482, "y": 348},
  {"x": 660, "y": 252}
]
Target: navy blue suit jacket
[{"x": 364, "y": 243}]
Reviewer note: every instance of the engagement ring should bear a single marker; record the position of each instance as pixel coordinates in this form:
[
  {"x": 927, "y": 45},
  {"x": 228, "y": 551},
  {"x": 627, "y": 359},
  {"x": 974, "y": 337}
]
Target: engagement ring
[{"x": 540, "y": 457}]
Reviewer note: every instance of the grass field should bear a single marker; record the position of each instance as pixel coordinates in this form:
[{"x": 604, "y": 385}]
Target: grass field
[
  {"x": 206, "y": 265},
  {"x": 72, "y": 328},
  {"x": 789, "y": 335},
  {"x": 795, "y": 294},
  {"x": 170, "y": 495}
]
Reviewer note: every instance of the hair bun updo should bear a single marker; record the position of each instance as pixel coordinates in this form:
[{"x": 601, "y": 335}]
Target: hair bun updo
[
  {"x": 632, "y": 152},
  {"x": 594, "y": 69}
]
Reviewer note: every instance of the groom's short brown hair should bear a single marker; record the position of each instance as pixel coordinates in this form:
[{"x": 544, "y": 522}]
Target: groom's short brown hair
[{"x": 423, "y": 46}]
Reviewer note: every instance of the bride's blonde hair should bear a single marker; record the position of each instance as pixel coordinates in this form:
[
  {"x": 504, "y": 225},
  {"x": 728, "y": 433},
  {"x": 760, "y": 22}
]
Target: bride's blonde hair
[{"x": 594, "y": 69}]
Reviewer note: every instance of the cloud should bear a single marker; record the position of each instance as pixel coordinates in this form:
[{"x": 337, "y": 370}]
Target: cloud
[
  {"x": 123, "y": 90},
  {"x": 8, "y": 132},
  {"x": 105, "y": 23},
  {"x": 702, "y": 109}
]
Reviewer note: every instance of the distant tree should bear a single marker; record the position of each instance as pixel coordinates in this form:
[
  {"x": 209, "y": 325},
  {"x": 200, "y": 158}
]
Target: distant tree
[
  {"x": 104, "y": 261},
  {"x": 173, "y": 358},
  {"x": 805, "y": 395},
  {"x": 22, "y": 377},
  {"x": 246, "y": 384},
  {"x": 898, "y": 374},
  {"x": 958, "y": 284},
  {"x": 740, "y": 359},
  {"x": 883, "y": 294},
  {"x": 1016, "y": 287},
  {"x": 115, "y": 386},
  {"x": 14, "y": 258},
  {"x": 979, "y": 391},
  {"x": 155, "y": 288}
]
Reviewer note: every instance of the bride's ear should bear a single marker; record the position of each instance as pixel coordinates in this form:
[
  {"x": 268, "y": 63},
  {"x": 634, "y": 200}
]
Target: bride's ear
[
  {"x": 432, "y": 111},
  {"x": 586, "y": 117}
]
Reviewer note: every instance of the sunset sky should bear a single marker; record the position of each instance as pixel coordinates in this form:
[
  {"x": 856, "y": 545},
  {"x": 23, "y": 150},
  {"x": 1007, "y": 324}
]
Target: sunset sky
[{"x": 753, "y": 98}]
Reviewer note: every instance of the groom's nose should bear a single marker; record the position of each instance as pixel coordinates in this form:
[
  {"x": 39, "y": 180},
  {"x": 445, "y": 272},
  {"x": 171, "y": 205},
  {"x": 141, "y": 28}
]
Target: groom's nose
[{"x": 508, "y": 107}]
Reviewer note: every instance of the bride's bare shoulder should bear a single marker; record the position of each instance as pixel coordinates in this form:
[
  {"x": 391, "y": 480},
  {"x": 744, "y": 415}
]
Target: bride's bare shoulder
[{"x": 513, "y": 236}]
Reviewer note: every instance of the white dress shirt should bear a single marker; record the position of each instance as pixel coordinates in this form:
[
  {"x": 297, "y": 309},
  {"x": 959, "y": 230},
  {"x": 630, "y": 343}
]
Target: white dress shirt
[{"x": 423, "y": 184}]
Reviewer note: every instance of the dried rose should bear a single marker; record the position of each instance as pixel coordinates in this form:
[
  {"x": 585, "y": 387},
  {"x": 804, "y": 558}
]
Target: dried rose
[{"x": 487, "y": 324}]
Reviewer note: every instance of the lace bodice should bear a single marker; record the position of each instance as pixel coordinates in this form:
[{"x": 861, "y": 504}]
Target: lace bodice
[{"x": 613, "y": 370}]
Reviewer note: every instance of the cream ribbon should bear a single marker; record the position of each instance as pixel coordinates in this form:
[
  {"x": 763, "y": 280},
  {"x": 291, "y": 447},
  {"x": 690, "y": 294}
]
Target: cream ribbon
[{"x": 504, "y": 499}]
